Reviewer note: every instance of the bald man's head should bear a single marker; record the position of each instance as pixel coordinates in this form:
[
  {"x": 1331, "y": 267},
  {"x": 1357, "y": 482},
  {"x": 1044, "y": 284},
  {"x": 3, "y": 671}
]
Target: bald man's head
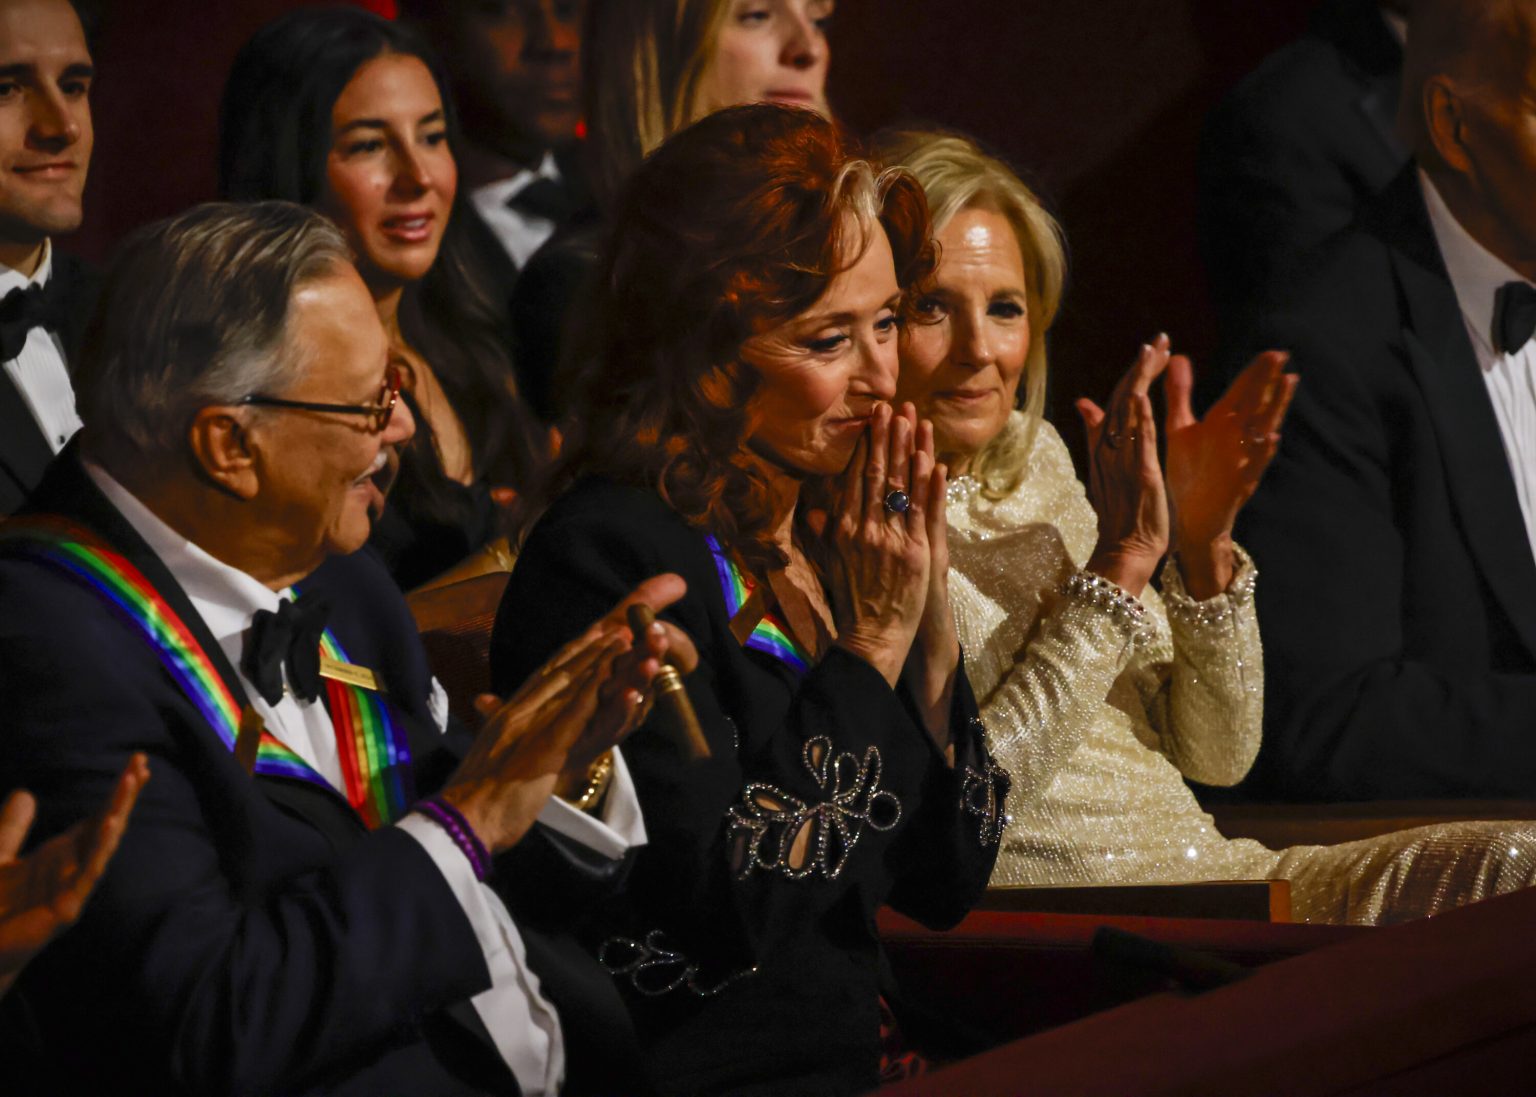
[{"x": 1469, "y": 112}]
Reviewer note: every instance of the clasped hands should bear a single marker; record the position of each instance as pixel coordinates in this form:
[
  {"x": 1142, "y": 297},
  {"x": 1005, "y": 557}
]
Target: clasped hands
[
  {"x": 1214, "y": 465},
  {"x": 890, "y": 582},
  {"x": 582, "y": 702}
]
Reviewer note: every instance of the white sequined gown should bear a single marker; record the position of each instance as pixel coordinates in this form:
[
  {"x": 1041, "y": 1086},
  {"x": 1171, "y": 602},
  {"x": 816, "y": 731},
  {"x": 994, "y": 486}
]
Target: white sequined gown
[{"x": 1099, "y": 705}]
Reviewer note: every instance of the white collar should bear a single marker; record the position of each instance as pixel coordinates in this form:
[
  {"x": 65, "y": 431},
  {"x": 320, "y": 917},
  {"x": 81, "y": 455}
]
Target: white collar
[
  {"x": 226, "y": 598},
  {"x": 11, "y": 278},
  {"x": 1476, "y": 273},
  {"x": 502, "y": 190}
]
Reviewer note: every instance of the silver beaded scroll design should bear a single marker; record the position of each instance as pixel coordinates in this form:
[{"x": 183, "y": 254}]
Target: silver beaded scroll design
[
  {"x": 983, "y": 795},
  {"x": 654, "y": 969},
  {"x": 772, "y": 830},
  {"x": 1095, "y": 590}
]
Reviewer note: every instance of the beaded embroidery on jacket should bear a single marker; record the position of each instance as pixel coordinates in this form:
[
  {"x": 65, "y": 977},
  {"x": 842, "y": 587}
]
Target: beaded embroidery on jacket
[{"x": 777, "y": 832}]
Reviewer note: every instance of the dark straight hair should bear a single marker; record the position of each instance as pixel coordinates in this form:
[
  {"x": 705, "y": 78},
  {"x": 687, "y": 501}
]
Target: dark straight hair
[{"x": 274, "y": 137}]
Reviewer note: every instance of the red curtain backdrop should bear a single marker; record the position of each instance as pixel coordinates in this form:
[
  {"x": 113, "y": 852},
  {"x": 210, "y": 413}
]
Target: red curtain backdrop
[{"x": 1098, "y": 103}]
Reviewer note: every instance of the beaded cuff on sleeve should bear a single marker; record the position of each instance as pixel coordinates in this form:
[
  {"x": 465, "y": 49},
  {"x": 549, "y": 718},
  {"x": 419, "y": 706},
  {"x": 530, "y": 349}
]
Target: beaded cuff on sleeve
[
  {"x": 1089, "y": 589},
  {"x": 1216, "y": 610}
]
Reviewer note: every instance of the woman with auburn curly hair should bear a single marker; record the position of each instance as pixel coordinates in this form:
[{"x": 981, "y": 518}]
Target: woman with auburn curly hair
[{"x": 736, "y": 429}]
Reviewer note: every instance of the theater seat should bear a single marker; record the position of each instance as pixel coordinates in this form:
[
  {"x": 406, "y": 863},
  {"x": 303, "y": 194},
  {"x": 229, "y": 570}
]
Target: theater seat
[
  {"x": 455, "y": 623},
  {"x": 1248, "y": 900},
  {"x": 1442, "y": 1005},
  {"x": 1007, "y": 974},
  {"x": 1280, "y": 825}
]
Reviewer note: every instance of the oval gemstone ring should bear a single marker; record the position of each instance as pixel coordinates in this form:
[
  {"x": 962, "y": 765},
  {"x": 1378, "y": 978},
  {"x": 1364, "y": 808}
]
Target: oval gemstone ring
[{"x": 898, "y": 501}]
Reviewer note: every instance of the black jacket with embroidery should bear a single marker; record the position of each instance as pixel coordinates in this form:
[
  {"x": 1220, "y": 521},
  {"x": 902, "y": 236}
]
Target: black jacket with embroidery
[{"x": 749, "y": 967}]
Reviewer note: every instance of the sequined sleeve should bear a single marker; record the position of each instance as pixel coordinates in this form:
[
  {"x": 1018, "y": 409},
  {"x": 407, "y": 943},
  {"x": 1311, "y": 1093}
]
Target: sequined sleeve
[
  {"x": 1040, "y": 710},
  {"x": 1202, "y": 682}
]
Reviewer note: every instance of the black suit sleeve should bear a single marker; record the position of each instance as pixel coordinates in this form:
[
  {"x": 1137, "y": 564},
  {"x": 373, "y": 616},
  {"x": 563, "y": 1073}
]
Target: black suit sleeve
[
  {"x": 236, "y": 987},
  {"x": 1348, "y": 715}
]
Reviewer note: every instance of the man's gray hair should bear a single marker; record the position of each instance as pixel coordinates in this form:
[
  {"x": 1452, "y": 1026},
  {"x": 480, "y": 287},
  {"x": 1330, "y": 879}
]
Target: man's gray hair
[{"x": 194, "y": 313}]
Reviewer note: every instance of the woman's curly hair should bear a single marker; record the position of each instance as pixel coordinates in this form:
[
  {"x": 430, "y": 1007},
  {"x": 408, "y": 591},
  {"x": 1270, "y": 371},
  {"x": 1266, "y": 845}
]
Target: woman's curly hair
[{"x": 733, "y": 226}]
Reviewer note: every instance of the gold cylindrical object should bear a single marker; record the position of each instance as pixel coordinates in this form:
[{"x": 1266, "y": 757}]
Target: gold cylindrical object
[{"x": 677, "y": 715}]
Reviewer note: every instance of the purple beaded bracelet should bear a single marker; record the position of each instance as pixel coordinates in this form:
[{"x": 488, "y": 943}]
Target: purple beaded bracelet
[{"x": 448, "y": 817}]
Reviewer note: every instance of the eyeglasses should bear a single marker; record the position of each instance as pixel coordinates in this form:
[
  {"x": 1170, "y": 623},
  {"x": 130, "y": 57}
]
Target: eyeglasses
[{"x": 380, "y": 412}]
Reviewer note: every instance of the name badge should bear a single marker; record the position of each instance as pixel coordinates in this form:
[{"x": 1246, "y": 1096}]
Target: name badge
[{"x": 350, "y": 673}]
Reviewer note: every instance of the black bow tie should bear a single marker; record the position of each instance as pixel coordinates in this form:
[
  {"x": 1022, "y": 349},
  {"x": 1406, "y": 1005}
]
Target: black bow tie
[
  {"x": 547, "y": 198},
  {"x": 1514, "y": 315},
  {"x": 35, "y": 306},
  {"x": 290, "y": 636}
]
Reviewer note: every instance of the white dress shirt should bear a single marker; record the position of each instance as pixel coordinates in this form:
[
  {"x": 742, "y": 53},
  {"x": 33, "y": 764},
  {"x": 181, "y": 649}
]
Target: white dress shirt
[
  {"x": 1476, "y": 274},
  {"x": 39, "y": 372},
  {"x": 521, "y": 1021},
  {"x": 521, "y": 234}
]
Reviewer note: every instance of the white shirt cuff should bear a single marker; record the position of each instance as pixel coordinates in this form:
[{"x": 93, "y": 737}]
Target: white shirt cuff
[
  {"x": 621, "y": 826},
  {"x": 524, "y": 1026}
]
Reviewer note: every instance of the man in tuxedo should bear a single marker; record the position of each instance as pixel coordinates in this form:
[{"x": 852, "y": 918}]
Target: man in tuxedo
[
  {"x": 45, "y": 151},
  {"x": 1394, "y": 532},
  {"x": 515, "y": 71},
  {"x": 327, "y": 887},
  {"x": 1287, "y": 159}
]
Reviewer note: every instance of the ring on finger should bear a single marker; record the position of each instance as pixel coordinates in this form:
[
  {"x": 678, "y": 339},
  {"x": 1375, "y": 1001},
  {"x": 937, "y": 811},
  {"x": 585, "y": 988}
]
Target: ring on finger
[
  {"x": 897, "y": 501},
  {"x": 1114, "y": 439}
]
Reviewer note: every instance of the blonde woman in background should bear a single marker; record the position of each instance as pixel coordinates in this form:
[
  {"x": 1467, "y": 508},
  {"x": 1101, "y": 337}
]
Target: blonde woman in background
[
  {"x": 1099, "y": 693},
  {"x": 649, "y": 68}
]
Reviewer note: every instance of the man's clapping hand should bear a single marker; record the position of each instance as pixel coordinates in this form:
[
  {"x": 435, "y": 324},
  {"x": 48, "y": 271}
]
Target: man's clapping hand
[
  {"x": 43, "y": 892},
  {"x": 583, "y": 701}
]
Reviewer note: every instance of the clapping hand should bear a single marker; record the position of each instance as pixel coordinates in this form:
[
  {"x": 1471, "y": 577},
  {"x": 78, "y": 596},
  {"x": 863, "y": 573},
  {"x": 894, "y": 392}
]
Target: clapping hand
[
  {"x": 1125, "y": 480},
  {"x": 1215, "y": 463},
  {"x": 583, "y": 701},
  {"x": 43, "y": 892}
]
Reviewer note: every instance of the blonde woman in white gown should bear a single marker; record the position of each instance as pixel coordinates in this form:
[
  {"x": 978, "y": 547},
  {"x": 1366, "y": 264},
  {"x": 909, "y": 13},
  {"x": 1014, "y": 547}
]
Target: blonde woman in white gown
[{"x": 1099, "y": 693}]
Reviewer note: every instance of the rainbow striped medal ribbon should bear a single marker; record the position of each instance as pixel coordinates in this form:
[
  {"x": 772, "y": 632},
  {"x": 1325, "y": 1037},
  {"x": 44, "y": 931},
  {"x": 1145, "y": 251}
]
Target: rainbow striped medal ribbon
[
  {"x": 379, "y": 793},
  {"x": 371, "y": 743},
  {"x": 769, "y": 634}
]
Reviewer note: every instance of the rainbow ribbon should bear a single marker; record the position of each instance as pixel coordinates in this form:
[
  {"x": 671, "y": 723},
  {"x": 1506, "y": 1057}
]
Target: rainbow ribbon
[
  {"x": 770, "y": 635},
  {"x": 367, "y": 726},
  {"x": 375, "y": 755}
]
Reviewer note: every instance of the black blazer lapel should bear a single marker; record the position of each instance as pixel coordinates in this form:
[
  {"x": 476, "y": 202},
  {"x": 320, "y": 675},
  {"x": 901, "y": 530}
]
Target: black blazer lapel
[
  {"x": 1379, "y": 105},
  {"x": 1363, "y": 39},
  {"x": 67, "y": 490},
  {"x": 82, "y": 285},
  {"x": 1476, "y": 466},
  {"x": 24, "y": 452}
]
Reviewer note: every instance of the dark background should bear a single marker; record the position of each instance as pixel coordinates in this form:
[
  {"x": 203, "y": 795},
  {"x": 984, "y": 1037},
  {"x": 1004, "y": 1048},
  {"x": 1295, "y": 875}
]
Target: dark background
[{"x": 1097, "y": 102}]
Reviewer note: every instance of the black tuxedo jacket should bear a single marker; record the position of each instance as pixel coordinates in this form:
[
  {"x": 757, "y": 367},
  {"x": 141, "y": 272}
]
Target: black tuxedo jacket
[
  {"x": 1397, "y": 591},
  {"x": 753, "y": 980},
  {"x": 251, "y": 936},
  {"x": 24, "y": 452},
  {"x": 1289, "y": 156}
]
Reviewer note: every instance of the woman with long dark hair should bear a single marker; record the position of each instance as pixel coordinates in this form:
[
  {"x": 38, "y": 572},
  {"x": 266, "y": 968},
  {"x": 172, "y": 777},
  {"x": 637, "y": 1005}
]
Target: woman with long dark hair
[
  {"x": 341, "y": 110},
  {"x": 738, "y": 430}
]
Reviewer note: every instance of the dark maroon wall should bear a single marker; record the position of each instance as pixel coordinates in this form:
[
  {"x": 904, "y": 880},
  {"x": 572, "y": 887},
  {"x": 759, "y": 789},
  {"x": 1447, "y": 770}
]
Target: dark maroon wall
[
  {"x": 1098, "y": 101},
  {"x": 161, "y": 69}
]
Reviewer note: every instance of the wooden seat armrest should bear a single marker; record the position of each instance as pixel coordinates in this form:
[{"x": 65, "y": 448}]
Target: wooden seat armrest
[
  {"x": 1280, "y": 825},
  {"x": 1251, "y": 900}
]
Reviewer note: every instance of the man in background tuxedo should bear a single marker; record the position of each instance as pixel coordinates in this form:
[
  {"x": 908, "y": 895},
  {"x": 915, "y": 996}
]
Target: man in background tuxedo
[
  {"x": 515, "y": 71},
  {"x": 1394, "y": 532},
  {"x": 45, "y": 151},
  {"x": 1287, "y": 159},
  {"x": 328, "y": 886}
]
